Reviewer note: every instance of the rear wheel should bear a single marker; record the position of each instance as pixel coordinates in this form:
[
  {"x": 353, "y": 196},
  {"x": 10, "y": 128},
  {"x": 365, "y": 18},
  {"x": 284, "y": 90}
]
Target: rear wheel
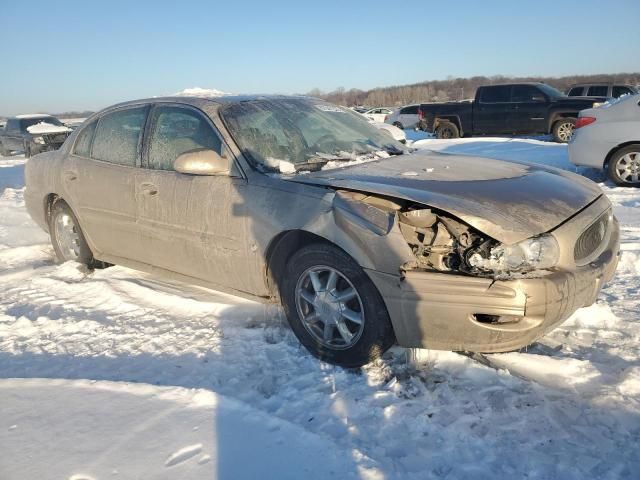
[
  {"x": 334, "y": 308},
  {"x": 447, "y": 130},
  {"x": 563, "y": 129},
  {"x": 66, "y": 236},
  {"x": 399, "y": 125},
  {"x": 624, "y": 166}
]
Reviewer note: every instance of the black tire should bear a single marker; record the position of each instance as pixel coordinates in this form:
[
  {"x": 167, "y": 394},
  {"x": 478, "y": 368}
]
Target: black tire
[
  {"x": 447, "y": 130},
  {"x": 563, "y": 129},
  {"x": 3, "y": 151},
  {"x": 624, "y": 166},
  {"x": 376, "y": 334},
  {"x": 83, "y": 254},
  {"x": 399, "y": 125}
]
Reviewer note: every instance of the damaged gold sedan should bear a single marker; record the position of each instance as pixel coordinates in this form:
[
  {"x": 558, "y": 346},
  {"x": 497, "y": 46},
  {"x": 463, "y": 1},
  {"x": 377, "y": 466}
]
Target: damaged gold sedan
[{"x": 294, "y": 200}]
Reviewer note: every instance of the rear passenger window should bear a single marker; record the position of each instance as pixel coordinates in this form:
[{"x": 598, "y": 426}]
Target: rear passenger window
[
  {"x": 117, "y": 136},
  {"x": 618, "y": 91},
  {"x": 575, "y": 92},
  {"x": 177, "y": 130},
  {"x": 498, "y": 94},
  {"x": 83, "y": 143},
  {"x": 412, "y": 110},
  {"x": 597, "y": 91}
]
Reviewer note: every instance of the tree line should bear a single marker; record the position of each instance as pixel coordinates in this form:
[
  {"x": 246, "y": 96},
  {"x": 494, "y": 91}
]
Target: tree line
[{"x": 454, "y": 89}]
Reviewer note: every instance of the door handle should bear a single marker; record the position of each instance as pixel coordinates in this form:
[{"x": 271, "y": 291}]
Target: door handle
[
  {"x": 70, "y": 176},
  {"x": 149, "y": 189}
]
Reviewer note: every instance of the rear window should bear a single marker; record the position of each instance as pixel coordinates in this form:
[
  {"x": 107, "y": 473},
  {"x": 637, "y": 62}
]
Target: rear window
[
  {"x": 498, "y": 94},
  {"x": 597, "y": 91},
  {"x": 117, "y": 136},
  {"x": 83, "y": 143},
  {"x": 412, "y": 110}
]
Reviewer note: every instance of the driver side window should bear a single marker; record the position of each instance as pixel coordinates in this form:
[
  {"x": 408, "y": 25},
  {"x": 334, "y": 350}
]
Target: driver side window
[{"x": 176, "y": 130}]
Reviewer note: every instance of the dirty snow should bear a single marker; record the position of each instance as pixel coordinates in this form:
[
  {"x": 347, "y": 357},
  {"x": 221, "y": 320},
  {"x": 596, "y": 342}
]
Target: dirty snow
[
  {"x": 112, "y": 373},
  {"x": 44, "y": 127}
]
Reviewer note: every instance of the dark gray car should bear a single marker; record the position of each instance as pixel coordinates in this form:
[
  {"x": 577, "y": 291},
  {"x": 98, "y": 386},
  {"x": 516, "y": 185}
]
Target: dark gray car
[
  {"x": 32, "y": 134},
  {"x": 298, "y": 201}
]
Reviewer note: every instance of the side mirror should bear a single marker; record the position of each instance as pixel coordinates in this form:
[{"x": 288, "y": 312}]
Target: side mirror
[{"x": 201, "y": 162}]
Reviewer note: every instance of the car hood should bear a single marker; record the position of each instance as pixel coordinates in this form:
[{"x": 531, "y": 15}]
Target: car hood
[
  {"x": 43, "y": 128},
  {"x": 509, "y": 201}
]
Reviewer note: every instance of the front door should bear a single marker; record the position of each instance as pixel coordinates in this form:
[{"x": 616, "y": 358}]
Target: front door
[
  {"x": 193, "y": 225},
  {"x": 529, "y": 109}
]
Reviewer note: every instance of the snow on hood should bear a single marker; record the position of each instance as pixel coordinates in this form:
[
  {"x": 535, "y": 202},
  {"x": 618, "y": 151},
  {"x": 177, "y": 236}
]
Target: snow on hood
[
  {"x": 200, "y": 92},
  {"x": 509, "y": 201},
  {"x": 44, "y": 127}
]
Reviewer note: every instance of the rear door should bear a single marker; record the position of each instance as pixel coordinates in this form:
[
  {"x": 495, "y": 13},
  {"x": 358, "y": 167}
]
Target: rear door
[
  {"x": 409, "y": 116},
  {"x": 528, "y": 109},
  {"x": 13, "y": 138},
  {"x": 491, "y": 111},
  {"x": 98, "y": 180},
  {"x": 190, "y": 224}
]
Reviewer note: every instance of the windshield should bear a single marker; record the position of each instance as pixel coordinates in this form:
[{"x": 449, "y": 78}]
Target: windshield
[
  {"x": 28, "y": 122},
  {"x": 293, "y": 134},
  {"x": 550, "y": 91}
]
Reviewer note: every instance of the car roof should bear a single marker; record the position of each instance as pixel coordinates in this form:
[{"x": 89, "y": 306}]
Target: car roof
[{"x": 199, "y": 101}]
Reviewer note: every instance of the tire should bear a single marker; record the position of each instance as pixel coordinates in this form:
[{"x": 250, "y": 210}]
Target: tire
[
  {"x": 624, "y": 166},
  {"x": 66, "y": 236},
  {"x": 447, "y": 130},
  {"x": 399, "y": 125},
  {"x": 563, "y": 129},
  {"x": 3, "y": 151},
  {"x": 362, "y": 342}
]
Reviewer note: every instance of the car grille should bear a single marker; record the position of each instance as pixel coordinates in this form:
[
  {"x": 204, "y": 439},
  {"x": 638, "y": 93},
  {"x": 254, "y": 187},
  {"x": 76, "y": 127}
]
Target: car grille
[
  {"x": 592, "y": 238},
  {"x": 55, "y": 137}
]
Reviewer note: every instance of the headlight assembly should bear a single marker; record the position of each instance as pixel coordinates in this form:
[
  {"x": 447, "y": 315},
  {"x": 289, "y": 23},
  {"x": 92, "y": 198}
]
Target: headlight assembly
[
  {"x": 535, "y": 253},
  {"x": 38, "y": 140}
]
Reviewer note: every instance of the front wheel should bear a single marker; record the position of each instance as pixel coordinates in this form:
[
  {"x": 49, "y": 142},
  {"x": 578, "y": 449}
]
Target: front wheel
[
  {"x": 563, "y": 129},
  {"x": 624, "y": 166},
  {"x": 334, "y": 308},
  {"x": 66, "y": 236},
  {"x": 398, "y": 125}
]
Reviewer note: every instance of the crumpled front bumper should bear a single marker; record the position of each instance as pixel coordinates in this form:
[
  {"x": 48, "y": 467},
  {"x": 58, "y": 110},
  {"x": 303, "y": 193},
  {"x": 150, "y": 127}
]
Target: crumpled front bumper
[{"x": 449, "y": 312}]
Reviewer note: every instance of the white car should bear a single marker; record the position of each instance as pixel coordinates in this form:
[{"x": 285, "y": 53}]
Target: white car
[
  {"x": 392, "y": 130},
  {"x": 404, "y": 117},
  {"x": 377, "y": 114},
  {"x": 609, "y": 137}
]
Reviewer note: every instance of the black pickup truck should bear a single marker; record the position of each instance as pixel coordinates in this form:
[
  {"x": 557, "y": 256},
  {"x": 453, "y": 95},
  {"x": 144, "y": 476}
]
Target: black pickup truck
[{"x": 521, "y": 108}]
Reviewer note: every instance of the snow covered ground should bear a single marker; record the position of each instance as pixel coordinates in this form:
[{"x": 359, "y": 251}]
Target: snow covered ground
[{"x": 117, "y": 374}]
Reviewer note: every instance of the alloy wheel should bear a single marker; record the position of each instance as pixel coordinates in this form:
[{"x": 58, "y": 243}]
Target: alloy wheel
[
  {"x": 67, "y": 236},
  {"x": 329, "y": 307},
  {"x": 628, "y": 167}
]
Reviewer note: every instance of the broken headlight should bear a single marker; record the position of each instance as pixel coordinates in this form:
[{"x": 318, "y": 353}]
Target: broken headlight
[{"x": 537, "y": 253}]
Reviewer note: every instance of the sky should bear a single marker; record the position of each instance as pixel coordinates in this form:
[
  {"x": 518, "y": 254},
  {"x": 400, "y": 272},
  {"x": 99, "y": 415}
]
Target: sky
[{"x": 77, "y": 55}]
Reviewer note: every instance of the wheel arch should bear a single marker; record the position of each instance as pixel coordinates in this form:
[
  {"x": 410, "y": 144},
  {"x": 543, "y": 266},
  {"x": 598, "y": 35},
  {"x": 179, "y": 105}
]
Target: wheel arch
[
  {"x": 282, "y": 247},
  {"x": 613, "y": 151},
  {"x": 455, "y": 119}
]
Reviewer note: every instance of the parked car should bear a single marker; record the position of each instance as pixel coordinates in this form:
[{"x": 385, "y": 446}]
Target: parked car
[
  {"x": 609, "y": 137},
  {"x": 294, "y": 200},
  {"x": 522, "y": 108},
  {"x": 395, "y": 132},
  {"x": 32, "y": 134},
  {"x": 404, "y": 117},
  {"x": 378, "y": 114},
  {"x": 605, "y": 90}
]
